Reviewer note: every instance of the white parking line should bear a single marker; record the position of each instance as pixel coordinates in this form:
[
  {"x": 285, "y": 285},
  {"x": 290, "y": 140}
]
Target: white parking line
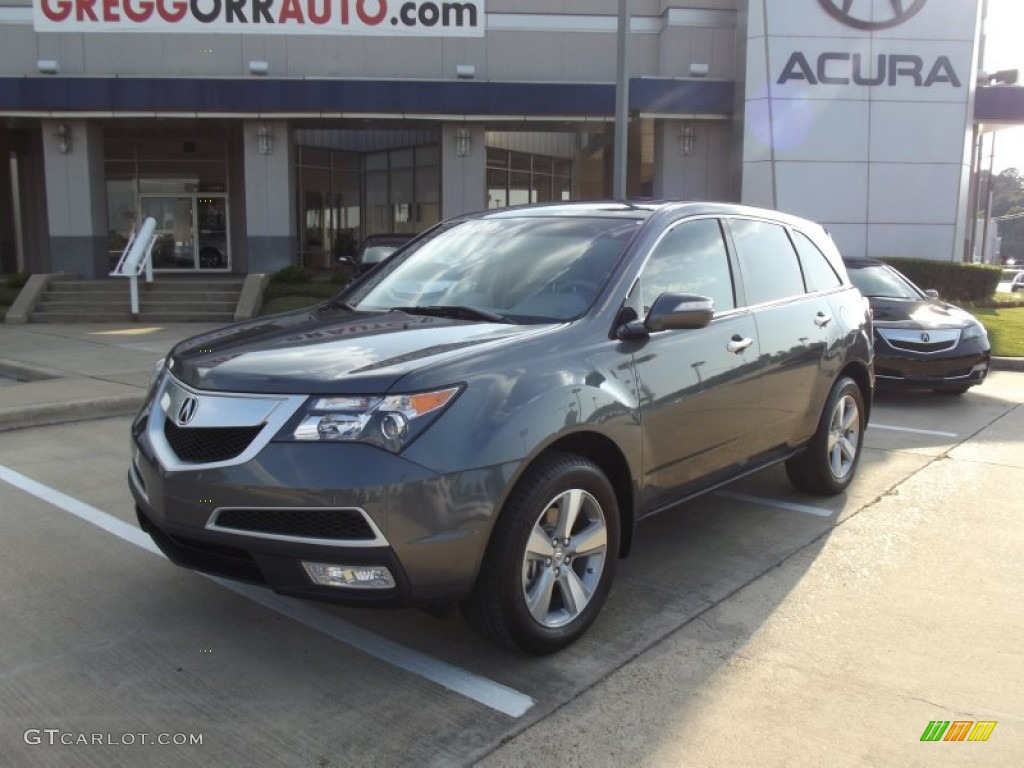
[
  {"x": 876, "y": 425},
  {"x": 806, "y": 509},
  {"x": 480, "y": 689}
]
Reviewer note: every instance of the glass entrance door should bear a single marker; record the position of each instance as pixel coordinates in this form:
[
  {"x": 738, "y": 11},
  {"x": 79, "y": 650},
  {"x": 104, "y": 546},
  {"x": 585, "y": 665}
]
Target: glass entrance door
[{"x": 191, "y": 231}]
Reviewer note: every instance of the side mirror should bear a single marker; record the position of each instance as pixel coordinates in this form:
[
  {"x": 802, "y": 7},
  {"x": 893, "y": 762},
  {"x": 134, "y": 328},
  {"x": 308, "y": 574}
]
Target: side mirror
[
  {"x": 346, "y": 261},
  {"x": 931, "y": 293},
  {"x": 671, "y": 312}
]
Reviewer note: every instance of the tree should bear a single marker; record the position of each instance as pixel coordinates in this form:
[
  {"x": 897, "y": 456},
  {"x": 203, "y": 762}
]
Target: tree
[{"x": 1007, "y": 200}]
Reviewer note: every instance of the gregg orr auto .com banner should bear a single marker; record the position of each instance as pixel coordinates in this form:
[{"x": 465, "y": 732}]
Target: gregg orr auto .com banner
[{"x": 419, "y": 18}]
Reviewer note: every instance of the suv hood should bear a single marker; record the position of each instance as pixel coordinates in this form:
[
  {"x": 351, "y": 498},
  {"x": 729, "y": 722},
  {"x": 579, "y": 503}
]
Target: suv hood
[{"x": 325, "y": 351}]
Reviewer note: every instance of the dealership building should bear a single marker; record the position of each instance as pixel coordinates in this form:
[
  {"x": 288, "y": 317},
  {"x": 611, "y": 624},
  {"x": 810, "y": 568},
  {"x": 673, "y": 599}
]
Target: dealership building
[{"x": 262, "y": 133}]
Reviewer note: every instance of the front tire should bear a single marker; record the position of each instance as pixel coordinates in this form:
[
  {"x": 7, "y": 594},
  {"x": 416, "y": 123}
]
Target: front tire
[
  {"x": 551, "y": 558},
  {"x": 828, "y": 464}
]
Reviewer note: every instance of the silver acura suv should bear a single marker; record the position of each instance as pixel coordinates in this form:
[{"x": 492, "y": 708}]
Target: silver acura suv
[{"x": 485, "y": 418}]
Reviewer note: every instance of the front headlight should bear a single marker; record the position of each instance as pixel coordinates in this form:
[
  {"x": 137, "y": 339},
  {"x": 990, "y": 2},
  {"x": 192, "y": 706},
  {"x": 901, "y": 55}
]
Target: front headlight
[
  {"x": 973, "y": 331},
  {"x": 390, "y": 422}
]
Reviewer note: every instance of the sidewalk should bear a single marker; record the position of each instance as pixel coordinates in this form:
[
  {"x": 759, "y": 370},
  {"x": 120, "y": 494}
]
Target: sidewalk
[{"x": 50, "y": 374}]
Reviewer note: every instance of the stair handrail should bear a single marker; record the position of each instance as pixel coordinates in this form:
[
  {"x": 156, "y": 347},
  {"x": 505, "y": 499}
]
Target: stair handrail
[{"x": 136, "y": 259}]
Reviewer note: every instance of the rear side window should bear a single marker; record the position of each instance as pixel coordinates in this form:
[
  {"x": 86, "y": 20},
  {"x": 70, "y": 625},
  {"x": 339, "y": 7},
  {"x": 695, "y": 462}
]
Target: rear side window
[
  {"x": 770, "y": 268},
  {"x": 817, "y": 271},
  {"x": 690, "y": 258}
]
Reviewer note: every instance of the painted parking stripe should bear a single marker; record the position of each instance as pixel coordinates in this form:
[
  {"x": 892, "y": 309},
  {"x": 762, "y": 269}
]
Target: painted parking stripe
[
  {"x": 875, "y": 425},
  {"x": 806, "y": 509},
  {"x": 480, "y": 689}
]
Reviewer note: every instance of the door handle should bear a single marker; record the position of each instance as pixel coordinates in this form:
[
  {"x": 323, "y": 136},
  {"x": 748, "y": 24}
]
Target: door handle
[
  {"x": 821, "y": 319},
  {"x": 737, "y": 344}
]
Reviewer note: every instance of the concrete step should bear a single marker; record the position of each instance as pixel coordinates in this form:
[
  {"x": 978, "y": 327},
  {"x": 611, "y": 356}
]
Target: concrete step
[
  {"x": 181, "y": 299},
  {"x": 122, "y": 286},
  {"x": 124, "y": 317},
  {"x": 86, "y": 298},
  {"x": 146, "y": 305},
  {"x": 78, "y": 317}
]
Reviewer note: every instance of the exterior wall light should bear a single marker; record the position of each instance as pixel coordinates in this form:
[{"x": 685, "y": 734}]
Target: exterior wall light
[
  {"x": 63, "y": 135},
  {"x": 265, "y": 139},
  {"x": 463, "y": 142},
  {"x": 259, "y": 68},
  {"x": 48, "y": 66},
  {"x": 687, "y": 138}
]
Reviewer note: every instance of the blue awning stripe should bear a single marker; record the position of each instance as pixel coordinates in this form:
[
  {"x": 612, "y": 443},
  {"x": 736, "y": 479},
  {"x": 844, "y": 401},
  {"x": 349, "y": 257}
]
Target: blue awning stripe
[{"x": 408, "y": 97}]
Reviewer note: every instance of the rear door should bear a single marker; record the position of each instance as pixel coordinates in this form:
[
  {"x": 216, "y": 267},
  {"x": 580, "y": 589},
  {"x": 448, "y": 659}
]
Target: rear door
[{"x": 699, "y": 391}]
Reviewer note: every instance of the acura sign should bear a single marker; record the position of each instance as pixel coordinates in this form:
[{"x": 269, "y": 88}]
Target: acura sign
[
  {"x": 838, "y": 68},
  {"x": 843, "y": 68},
  {"x": 857, "y": 13}
]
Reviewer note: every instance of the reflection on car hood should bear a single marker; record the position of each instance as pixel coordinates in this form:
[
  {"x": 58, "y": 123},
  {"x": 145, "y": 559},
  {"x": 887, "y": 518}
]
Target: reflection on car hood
[
  {"x": 910, "y": 313},
  {"x": 330, "y": 351}
]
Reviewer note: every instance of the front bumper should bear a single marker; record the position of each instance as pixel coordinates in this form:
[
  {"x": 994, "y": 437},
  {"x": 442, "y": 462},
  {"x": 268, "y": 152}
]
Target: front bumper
[
  {"x": 257, "y": 517},
  {"x": 952, "y": 372}
]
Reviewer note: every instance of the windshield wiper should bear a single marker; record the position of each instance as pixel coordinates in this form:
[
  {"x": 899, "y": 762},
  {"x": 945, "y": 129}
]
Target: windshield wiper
[{"x": 459, "y": 312}]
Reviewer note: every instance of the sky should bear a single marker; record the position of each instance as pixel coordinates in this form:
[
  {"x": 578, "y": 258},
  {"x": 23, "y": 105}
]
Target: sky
[{"x": 1004, "y": 50}]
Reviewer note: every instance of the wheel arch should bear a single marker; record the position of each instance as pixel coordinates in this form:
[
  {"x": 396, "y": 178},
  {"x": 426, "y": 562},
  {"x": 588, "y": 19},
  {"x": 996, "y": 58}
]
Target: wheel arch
[
  {"x": 609, "y": 458},
  {"x": 862, "y": 376}
]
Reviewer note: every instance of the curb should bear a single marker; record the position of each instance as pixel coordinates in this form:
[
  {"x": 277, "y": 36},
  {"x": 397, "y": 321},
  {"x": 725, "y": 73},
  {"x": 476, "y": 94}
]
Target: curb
[
  {"x": 49, "y": 414},
  {"x": 1008, "y": 363}
]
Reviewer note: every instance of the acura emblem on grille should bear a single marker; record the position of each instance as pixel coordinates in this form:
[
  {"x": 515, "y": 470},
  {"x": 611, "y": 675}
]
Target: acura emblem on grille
[
  {"x": 187, "y": 411},
  {"x": 925, "y": 338}
]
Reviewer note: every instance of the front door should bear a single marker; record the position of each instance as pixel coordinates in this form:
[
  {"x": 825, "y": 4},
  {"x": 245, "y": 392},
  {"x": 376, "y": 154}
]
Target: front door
[
  {"x": 191, "y": 231},
  {"x": 699, "y": 389}
]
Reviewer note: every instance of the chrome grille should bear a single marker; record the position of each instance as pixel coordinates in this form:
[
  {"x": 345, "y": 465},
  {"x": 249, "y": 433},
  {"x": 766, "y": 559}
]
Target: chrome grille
[{"x": 920, "y": 341}]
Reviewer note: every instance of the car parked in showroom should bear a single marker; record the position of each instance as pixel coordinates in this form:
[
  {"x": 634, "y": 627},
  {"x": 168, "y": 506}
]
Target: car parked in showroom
[
  {"x": 485, "y": 418},
  {"x": 921, "y": 341},
  {"x": 1011, "y": 281}
]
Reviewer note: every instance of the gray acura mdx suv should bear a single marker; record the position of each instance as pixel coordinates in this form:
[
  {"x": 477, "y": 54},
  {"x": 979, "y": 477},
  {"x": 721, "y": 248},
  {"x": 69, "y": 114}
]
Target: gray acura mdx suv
[{"x": 484, "y": 419}]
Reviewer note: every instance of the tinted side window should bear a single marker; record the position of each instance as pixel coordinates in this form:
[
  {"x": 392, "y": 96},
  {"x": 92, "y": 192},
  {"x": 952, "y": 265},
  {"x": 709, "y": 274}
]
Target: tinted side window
[
  {"x": 817, "y": 271},
  {"x": 770, "y": 267},
  {"x": 691, "y": 258}
]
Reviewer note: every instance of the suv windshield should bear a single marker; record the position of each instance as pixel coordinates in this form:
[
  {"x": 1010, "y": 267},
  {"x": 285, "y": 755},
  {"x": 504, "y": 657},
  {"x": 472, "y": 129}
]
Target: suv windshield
[
  {"x": 519, "y": 269},
  {"x": 883, "y": 282}
]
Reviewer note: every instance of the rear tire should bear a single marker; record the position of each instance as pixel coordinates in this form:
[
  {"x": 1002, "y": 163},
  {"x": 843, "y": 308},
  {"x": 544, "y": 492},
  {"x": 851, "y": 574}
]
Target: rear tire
[
  {"x": 828, "y": 464},
  {"x": 551, "y": 558}
]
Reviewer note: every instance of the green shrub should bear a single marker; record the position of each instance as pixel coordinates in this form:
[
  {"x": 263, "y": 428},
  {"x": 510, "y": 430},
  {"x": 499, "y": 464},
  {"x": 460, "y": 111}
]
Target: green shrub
[
  {"x": 16, "y": 281},
  {"x": 292, "y": 275},
  {"x": 953, "y": 280},
  {"x": 317, "y": 290}
]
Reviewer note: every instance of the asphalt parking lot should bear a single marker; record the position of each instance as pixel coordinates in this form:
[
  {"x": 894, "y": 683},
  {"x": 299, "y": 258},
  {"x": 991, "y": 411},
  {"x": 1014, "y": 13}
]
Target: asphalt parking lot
[{"x": 753, "y": 626}]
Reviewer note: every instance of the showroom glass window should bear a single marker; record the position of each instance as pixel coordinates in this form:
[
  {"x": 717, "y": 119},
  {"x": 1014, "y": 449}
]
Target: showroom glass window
[
  {"x": 690, "y": 258},
  {"x": 517, "y": 178},
  {"x": 768, "y": 262},
  {"x": 354, "y": 183}
]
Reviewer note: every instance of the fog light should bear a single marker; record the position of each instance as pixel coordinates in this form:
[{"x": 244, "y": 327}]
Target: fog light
[{"x": 350, "y": 576}]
